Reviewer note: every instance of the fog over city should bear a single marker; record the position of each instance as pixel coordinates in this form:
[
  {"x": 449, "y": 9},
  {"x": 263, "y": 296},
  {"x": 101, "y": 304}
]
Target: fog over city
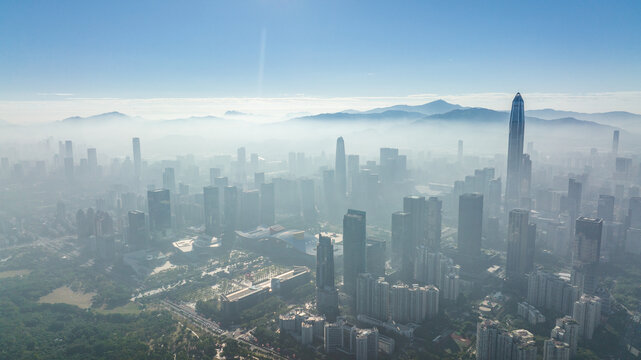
[{"x": 320, "y": 180}]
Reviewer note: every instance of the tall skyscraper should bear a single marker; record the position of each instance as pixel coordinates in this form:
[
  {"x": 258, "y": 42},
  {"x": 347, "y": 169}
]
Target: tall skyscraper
[
  {"x": 574, "y": 202},
  {"x": 376, "y": 257},
  {"x": 159, "y": 210},
  {"x": 211, "y": 207},
  {"x": 241, "y": 162},
  {"x": 308, "y": 200},
  {"x": 586, "y": 253},
  {"x": 354, "y": 248},
  {"x": 137, "y": 159},
  {"x": 470, "y": 224},
  {"x": 326, "y": 294},
  {"x": 433, "y": 224},
  {"x": 353, "y": 168},
  {"x": 230, "y": 214},
  {"x": 267, "y": 204},
  {"x": 615, "y": 142},
  {"x": 400, "y": 238},
  {"x": 460, "y": 152},
  {"x": 515, "y": 153},
  {"x": 634, "y": 213},
  {"x": 213, "y": 174},
  {"x": 605, "y": 207},
  {"x": 249, "y": 209},
  {"x": 92, "y": 161},
  {"x": 137, "y": 231},
  {"x": 520, "y": 246},
  {"x": 169, "y": 180},
  {"x": 415, "y": 207},
  {"x": 340, "y": 169}
]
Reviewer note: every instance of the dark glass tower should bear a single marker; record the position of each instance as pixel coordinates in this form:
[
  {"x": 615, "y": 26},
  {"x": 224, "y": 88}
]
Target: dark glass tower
[
  {"x": 212, "y": 210},
  {"x": 326, "y": 294},
  {"x": 267, "y": 204},
  {"x": 159, "y": 210},
  {"x": 470, "y": 224},
  {"x": 341, "y": 169},
  {"x": 354, "y": 248},
  {"x": 515, "y": 153},
  {"x": 520, "y": 245}
]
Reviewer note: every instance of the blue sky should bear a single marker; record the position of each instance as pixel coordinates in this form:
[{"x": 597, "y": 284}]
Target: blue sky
[{"x": 212, "y": 49}]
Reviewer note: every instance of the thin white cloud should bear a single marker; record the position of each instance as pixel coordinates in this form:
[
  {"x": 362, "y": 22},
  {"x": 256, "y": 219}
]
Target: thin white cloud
[{"x": 277, "y": 108}]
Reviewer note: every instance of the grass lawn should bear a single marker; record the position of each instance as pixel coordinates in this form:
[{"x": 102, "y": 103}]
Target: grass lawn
[
  {"x": 65, "y": 295},
  {"x": 129, "y": 308},
  {"x": 12, "y": 273}
]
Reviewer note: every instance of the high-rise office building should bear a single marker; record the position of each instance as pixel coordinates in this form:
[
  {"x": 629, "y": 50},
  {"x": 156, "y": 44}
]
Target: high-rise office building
[
  {"x": 354, "y": 248},
  {"x": 241, "y": 162},
  {"x": 249, "y": 209},
  {"x": 137, "y": 159},
  {"x": 515, "y": 153},
  {"x": 520, "y": 246},
  {"x": 459, "y": 154},
  {"x": 159, "y": 210},
  {"x": 326, "y": 293},
  {"x": 259, "y": 179},
  {"x": 400, "y": 238},
  {"x": 416, "y": 208},
  {"x": 615, "y": 142},
  {"x": 391, "y": 165},
  {"x": 340, "y": 169},
  {"x": 433, "y": 224},
  {"x": 470, "y": 224},
  {"x": 213, "y": 174},
  {"x": 586, "y": 253},
  {"x": 376, "y": 257},
  {"x": 230, "y": 214},
  {"x": 92, "y": 161},
  {"x": 267, "y": 204},
  {"x": 634, "y": 213},
  {"x": 329, "y": 190},
  {"x": 137, "y": 231},
  {"x": 605, "y": 207},
  {"x": 308, "y": 200},
  {"x": 169, "y": 180},
  {"x": 574, "y": 203},
  {"x": 353, "y": 168},
  {"x": 211, "y": 207}
]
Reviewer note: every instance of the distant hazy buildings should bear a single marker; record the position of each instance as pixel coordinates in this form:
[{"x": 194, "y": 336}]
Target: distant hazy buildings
[
  {"x": 493, "y": 342},
  {"x": 340, "y": 169}
]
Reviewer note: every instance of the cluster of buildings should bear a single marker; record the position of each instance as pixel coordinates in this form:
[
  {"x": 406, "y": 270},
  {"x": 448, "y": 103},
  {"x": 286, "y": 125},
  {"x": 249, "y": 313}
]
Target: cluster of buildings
[
  {"x": 530, "y": 313},
  {"x": 400, "y": 303},
  {"x": 339, "y": 336},
  {"x": 494, "y": 342}
]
